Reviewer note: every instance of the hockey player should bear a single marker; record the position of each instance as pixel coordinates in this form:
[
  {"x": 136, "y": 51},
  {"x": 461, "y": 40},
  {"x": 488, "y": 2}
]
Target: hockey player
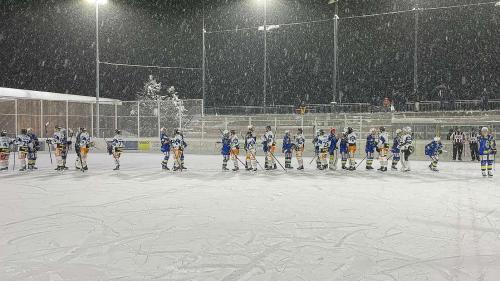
[
  {"x": 323, "y": 146},
  {"x": 299, "y": 145},
  {"x": 487, "y": 151},
  {"x": 251, "y": 149},
  {"x": 165, "y": 148},
  {"x": 371, "y": 145},
  {"x": 351, "y": 149},
  {"x": 235, "y": 149},
  {"x": 117, "y": 146},
  {"x": 458, "y": 139},
  {"x": 269, "y": 147},
  {"x": 316, "y": 150},
  {"x": 343, "y": 149},
  {"x": 82, "y": 148},
  {"x": 473, "y": 145},
  {"x": 225, "y": 149},
  {"x": 23, "y": 141},
  {"x": 60, "y": 142},
  {"x": 33, "y": 149},
  {"x": 383, "y": 149},
  {"x": 433, "y": 149},
  {"x": 287, "y": 149},
  {"x": 178, "y": 145},
  {"x": 406, "y": 145},
  {"x": 396, "y": 150},
  {"x": 332, "y": 149},
  {"x": 5, "y": 147}
]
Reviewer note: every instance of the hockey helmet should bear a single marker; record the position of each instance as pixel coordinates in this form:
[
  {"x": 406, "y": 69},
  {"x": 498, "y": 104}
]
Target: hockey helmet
[
  {"x": 268, "y": 128},
  {"x": 24, "y": 131},
  {"x": 300, "y": 130},
  {"x": 3, "y": 133},
  {"x": 344, "y": 130},
  {"x": 287, "y": 132},
  {"x": 398, "y": 131},
  {"x": 29, "y": 130},
  {"x": 83, "y": 129},
  {"x": 484, "y": 130},
  {"x": 163, "y": 129},
  {"x": 57, "y": 127},
  {"x": 233, "y": 132},
  {"x": 373, "y": 131},
  {"x": 437, "y": 139},
  {"x": 118, "y": 132},
  {"x": 177, "y": 131},
  {"x": 250, "y": 128},
  {"x": 382, "y": 129},
  {"x": 225, "y": 132},
  {"x": 407, "y": 130},
  {"x": 333, "y": 131},
  {"x": 321, "y": 131},
  {"x": 349, "y": 130}
]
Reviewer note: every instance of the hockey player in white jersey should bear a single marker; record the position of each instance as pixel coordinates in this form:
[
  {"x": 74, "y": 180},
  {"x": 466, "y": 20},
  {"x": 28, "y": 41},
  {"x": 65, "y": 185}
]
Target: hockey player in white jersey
[
  {"x": 235, "y": 149},
  {"x": 269, "y": 146},
  {"x": 23, "y": 142},
  {"x": 407, "y": 148},
  {"x": 5, "y": 148},
  {"x": 383, "y": 149},
  {"x": 323, "y": 145},
  {"x": 351, "y": 148},
  {"x": 82, "y": 148},
  {"x": 251, "y": 149},
  {"x": 299, "y": 145},
  {"x": 60, "y": 142},
  {"x": 178, "y": 146},
  {"x": 117, "y": 146}
]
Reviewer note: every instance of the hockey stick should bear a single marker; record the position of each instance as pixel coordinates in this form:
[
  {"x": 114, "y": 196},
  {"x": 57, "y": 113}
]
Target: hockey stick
[
  {"x": 278, "y": 161},
  {"x": 361, "y": 162},
  {"x": 48, "y": 144}
]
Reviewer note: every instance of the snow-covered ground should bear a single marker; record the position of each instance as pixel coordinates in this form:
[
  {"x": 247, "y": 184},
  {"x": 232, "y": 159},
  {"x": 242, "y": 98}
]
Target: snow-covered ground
[{"x": 203, "y": 224}]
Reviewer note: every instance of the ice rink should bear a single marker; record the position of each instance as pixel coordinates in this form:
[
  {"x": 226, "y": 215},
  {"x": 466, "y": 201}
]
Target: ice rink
[{"x": 204, "y": 224}]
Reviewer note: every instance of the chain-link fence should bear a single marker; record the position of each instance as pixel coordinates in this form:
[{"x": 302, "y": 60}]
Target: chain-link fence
[{"x": 137, "y": 119}]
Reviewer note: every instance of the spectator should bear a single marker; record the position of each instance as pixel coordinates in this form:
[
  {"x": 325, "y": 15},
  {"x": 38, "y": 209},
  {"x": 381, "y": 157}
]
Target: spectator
[{"x": 387, "y": 104}]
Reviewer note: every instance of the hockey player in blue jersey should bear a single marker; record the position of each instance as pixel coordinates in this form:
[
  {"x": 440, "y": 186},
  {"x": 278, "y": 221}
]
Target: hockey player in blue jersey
[
  {"x": 33, "y": 149},
  {"x": 287, "y": 149},
  {"x": 371, "y": 145},
  {"x": 225, "y": 150},
  {"x": 332, "y": 149},
  {"x": 432, "y": 150},
  {"x": 396, "y": 150},
  {"x": 343, "y": 149},
  {"x": 487, "y": 151},
  {"x": 165, "y": 142}
]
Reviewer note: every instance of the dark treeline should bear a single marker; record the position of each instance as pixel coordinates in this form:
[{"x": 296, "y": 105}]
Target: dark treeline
[{"x": 50, "y": 46}]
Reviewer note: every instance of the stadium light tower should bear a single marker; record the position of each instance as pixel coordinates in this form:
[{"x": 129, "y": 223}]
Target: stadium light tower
[{"x": 97, "y": 96}]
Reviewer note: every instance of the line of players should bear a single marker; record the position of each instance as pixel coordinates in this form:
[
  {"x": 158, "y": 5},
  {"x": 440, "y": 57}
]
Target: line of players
[{"x": 326, "y": 147}]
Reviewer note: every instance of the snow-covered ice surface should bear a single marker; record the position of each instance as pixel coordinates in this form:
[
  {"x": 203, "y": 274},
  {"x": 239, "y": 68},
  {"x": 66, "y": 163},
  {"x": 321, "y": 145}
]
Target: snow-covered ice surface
[{"x": 203, "y": 224}]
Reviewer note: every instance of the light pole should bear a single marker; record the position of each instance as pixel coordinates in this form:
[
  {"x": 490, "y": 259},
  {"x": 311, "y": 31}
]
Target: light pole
[{"x": 97, "y": 62}]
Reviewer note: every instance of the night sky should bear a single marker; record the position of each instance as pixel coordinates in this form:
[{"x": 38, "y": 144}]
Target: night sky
[{"x": 50, "y": 46}]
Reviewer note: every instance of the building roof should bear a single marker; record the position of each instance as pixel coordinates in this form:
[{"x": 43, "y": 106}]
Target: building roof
[{"x": 9, "y": 93}]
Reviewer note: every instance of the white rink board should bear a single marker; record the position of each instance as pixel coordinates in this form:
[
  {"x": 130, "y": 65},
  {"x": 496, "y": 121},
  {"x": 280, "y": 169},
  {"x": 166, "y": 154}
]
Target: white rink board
[{"x": 203, "y": 224}]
